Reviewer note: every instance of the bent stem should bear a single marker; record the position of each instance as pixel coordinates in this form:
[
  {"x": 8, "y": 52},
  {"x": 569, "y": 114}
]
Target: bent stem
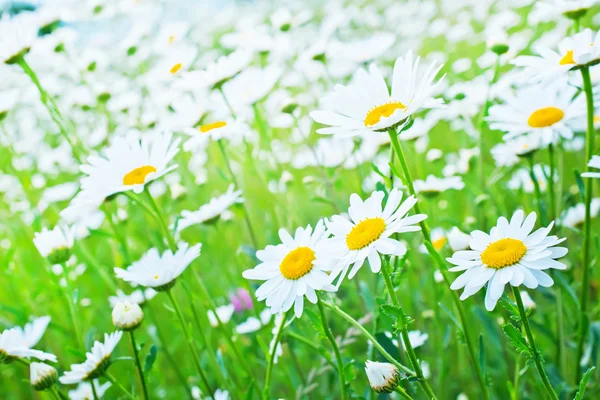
[
  {"x": 442, "y": 266},
  {"x": 190, "y": 341},
  {"x": 589, "y": 150},
  {"x": 404, "y": 335},
  {"x": 273, "y": 351},
  {"x": 115, "y": 382},
  {"x": 536, "y": 354},
  {"x": 368, "y": 336},
  {"x": 138, "y": 365},
  {"x": 336, "y": 350}
]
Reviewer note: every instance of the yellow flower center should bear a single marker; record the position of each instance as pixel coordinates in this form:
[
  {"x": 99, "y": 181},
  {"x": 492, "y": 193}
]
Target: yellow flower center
[
  {"x": 214, "y": 125},
  {"x": 439, "y": 244},
  {"x": 596, "y": 119},
  {"x": 297, "y": 263},
  {"x": 567, "y": 59},
  {"x": 365, "y": 233},
  {"x": 138, "y": 175},
  {"x": 155, "y": 277},
  {"x": 175, "y": 68},
  {"x": 171, "y": 39},
  {"x": 544, "y": 117},
  {"x": 385, "y": 110},
  {"x": 503, "y": 253}
]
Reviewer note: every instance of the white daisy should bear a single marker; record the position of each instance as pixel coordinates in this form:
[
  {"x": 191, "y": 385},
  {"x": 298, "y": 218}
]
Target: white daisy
[
  {"x": 84, "y": 390},
  {"x": 383, "y": 377},
  {"x": 458, "y": 240},
  {"x": 159, "y": 271},
  {"x": 17, "y": 35},
  {"x": 509, "y": 254},
  {"x": 229, "y": 129},
  {"x": 594, "y": 163},
  {"x": 224, "y": 68},
  {"x": 42, "y": 376},
  {"x": 365, "y": 105},
  {"x": 17, "y": 342},
  {"x": 432, "y": 185},
  {"x": 96, "y": 363},
  {"x": 548, "y": 109},
  {"x": 367, "y": 234},
  {"x": 210, "y": 212},
  {"x": 292, "y": 270},
  {"x": 54, "y": 244},
  {"x": 574, "y": 217},
  {"x": 138, "y": 296},
  {"x": 223, "y": 312}
]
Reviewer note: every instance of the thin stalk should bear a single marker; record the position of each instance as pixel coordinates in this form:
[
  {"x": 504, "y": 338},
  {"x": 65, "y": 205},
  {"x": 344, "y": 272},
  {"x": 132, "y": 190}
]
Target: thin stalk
[
  {"x": 68, "y": 296},
  {"x": 443, "y": 268},
  {"x": 58, "y": 394},
  {"x": 158, "y": 215},
  {"x": 403, "y": 393},
  {"x": 273, "y": 351},
  {"x": 336, "y": 350},
  {"x": 404, "y": 335},
  {"x": 190, "y": 342},
  {"x": 368, "y": 336},
  {"x": 537, "y": 190},
  {"x": 120, "y": 238},
  {"x": 585, "y": 286},
  {"x": 138, "y": 365},
  {"x": 94, "y": 393},
  {"x": 517, "y": 375},
  {"x": 536, "y": 354},
  {"x": 118, "y": 384},
  {"x": 551, "y": 189}
]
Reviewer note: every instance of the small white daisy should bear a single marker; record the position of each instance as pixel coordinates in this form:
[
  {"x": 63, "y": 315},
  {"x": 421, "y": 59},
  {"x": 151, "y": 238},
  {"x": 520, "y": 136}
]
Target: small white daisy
[
  {"x": 365, "y": 105},
  {"x": 96, "y": 363},
  {"x": 17, "y": 342},
  {"x": 509, "y": 254},
  {"x": 17, "y": 35},
  {"x": 84, "y": 390},
  {"x": 211, "y": 211},
  {"x": 594, "y": 163},
  {"x": 574, "y": 217},
  {"x": 224, "y": 68},
  {"x": 159, "y": 271},
  {"x": 292, "y": 270},
  {"x": 383, "y": 377},
  {"x": 54, "y": 244},
  {"x": 432, "y": 185},
  {"x": 138, "y": 296},
  {"x": 42, "y": 376},
  {"x": 367, "y": 234},
  {"x": 228, "y": 129}
]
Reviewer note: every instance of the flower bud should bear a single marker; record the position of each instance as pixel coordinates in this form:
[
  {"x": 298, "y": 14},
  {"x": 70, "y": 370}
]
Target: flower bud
[
  {"x": 42, "y": 376},
  {"x": 127, "y": 316},
  {"x": 498, "y": 43},
  {"x": 55, "y": 244},
  {"x": 383, "y": 377}
]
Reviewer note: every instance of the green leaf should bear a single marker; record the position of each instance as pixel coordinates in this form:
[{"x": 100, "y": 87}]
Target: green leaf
[
  {"x": 150, "y": 359},
  {"x": 396, "y": 313},
  {"x": 580, "y": 184},
  {"x": 482, "y": 356},
  {"x": 452, "y": 317},
  {"x": 315, "y": 321},
  {"x": 517, "y": 340},
  {"x": 583, "y": 383}
]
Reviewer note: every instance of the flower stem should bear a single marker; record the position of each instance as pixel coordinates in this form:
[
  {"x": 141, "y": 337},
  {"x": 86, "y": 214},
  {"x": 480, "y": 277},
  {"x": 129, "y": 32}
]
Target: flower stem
[
  {"x": 58, "y": 394},
  {"x": 403, "y": 393},
  {"x": 272, "y": 352},
  {"x": 161, "y": 221},
  {"x": 190, "y": 341},
  {"x": 538, "y": 191},
  {"x": 536, "y": 354},
  {"x": 443, "y": 268},
  {"x": 119, "y": 385},
  {"x": 138, "y": 365},
  {"x": 68, "y": 295},
  {"x": 94, "y": 393},
  {"x": 585, "y": 286},
  {"x": 336, "y": 350},
  {"x": 367, "y": 335},
  {"x": 404, "y": 335}
]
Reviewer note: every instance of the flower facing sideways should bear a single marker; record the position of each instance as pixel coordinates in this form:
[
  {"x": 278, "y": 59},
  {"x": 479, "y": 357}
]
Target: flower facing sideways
[
  {"x": 383, "y": 377},
  {"x": 509, "y": 254},
  {"x": 17, "y": 342}
]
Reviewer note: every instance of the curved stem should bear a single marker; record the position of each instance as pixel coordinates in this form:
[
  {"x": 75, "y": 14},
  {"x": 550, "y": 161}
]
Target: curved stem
[
  {"x": 190, "y": 342},
  {"x": 138, "y": 365},
  {"x": 161, "y": 221},
  {"x": 118, "y": 384},
  {"x": 369, "y": 337},
  {"x": 58, "y": 394},
  {"x": 273, "y": 351},
  {"x": 94, "y": 393},
  {"x": 589, "y": 150},
  {"x": 536, "y": 354},
  {"x": 403, "y": 393},
  {"x": 336, "y": 350},
  {"x": 404, "y": 335}
]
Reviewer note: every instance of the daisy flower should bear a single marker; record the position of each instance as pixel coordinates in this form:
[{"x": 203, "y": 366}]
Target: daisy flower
[
  {"x": 574, "y": 51},
  {"x": 365, "y": 105},
  {"x": 574, "y": 217},
  {"x": 432, "y": 185},
  {"x": 224, "y": 68},
  {"x": 138, "y": 296},
  {"x": 383, "y": 377},
  {"x": 227, "y": 128},
  {"x": 17, "y": 35},
  {"x": 594, "y": 163},
  {"x": 159, "y": 271},
  {"x": 55, "y": 244},
  {"x": 42, "y": 376},
  {"x": 509, "y": 254},
  {"x": 292, "y": 270},
  {"x": 367, "y": 233},
  {"x": 18, "y": 342},
  {"x": 547, "y": 109},
  {"x": 210, "y": 212},
  {"x": 96, "y": 363},
  {"x": 84, "y": 390}
]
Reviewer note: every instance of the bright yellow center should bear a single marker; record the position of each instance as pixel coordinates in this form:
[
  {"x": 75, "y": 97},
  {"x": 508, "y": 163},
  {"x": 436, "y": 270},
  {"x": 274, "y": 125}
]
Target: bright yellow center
[
  {"x": 544, "y": 117},
  {"x": 385, "y": 110},
  {"x": 365, "y": 233},
  {"x": 214, "y": 125},
  {"x": 596, "y": 119},
  {"x": 171, "y": 39},
  {"x": 567, "y": 59},
  {"x": 138, "y": 175},
  {"x": 439, "y": 244},
  {"x": 175, "y": 68},
  {"x": 297, "y": 263},
  {"x": 503, "y": 253},
  {"x": 155, "y": 277}
]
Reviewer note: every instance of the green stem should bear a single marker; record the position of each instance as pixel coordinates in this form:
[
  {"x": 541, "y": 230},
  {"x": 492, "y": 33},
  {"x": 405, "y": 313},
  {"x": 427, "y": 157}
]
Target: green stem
[
  {"x": 273, "y": 351},
  {"x": 74, "y": 321},
  {"x": 89, "y": 259},
  {"x": 404, "y": 335},
  {"x": 585, "y": 286},
  {"x": 538, "y": 191},
  {"x": 94, "y": 393},
  {"x": 58, "y": 394},
  {"x": 514, "y": 395},
  {"x": 403, "y": 393},
  {"x": 120, "y": 238},
  {"x": 443, "y": 269},
  {"x": 536, "y": 354},
  {"x": 158, "y": 215},
  {"x": 138, "y": 365},
  {"x": 115, "y": 382},
  {"x": 551, "y": 189},
  {"x": 336, "y": 350},
  {"x": 190, "y": 342},
  {"x": 369, "y": 337}
]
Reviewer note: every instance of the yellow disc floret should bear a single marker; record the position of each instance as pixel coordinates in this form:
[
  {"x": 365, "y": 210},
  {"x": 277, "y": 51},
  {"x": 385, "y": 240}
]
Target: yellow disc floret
[
  {"x": 365, "y": 233},
  {"x": 544, "y": 117},
  {"x": 138, "y": 175},
  {"x": 214, "y": 125},
  {"x": 297, "y": 263},
  {"x": 503, "y": 253},
  {"x": 567, "y": 59},
  {"x": 385, "y": 110}
]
